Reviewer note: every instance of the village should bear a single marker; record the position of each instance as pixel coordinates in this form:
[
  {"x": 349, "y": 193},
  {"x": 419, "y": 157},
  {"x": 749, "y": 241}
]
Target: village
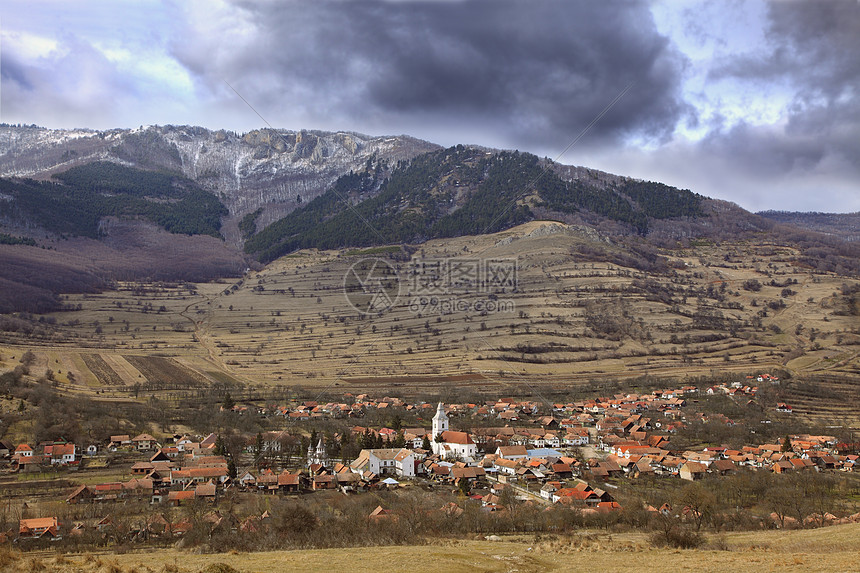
[{"x": 562, "y": 455}]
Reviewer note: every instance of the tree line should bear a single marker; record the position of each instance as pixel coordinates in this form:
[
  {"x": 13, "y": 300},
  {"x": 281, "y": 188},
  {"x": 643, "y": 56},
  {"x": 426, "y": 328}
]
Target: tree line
[
  {"x": 76, "y": 201},
  {"x": 454, "y": 192}
]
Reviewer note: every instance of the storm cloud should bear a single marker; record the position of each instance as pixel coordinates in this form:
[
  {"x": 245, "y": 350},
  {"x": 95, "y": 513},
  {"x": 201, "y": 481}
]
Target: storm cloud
[
  {"x": 514, "y": 72},
  {"x": 812, "y": 53},
  {"x": 752, "y": 102}
]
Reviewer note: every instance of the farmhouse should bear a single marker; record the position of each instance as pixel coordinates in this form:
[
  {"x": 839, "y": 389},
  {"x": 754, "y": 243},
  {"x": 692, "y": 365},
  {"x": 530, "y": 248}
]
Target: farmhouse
[
  {"x": 692, "y": 471},
  {"x": 39, "y": 527},
  {"x": 144, "y": 442},
  {"x": 399, "y": 461},
  {"x": 511, "y": 452}
]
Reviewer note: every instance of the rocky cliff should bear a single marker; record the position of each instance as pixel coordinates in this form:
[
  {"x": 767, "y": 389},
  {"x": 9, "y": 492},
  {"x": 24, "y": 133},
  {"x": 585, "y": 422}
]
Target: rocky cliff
[{"x": 268, "y": 169}]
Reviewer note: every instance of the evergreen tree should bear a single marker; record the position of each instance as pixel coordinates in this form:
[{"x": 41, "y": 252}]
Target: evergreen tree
[
  {"x": 332, "y": 445},
  {"x": 347, "y": 447},
  {"x": 258, "y": 445},
  {"x": 303, "y": 446},
  {"x": 463, "y": 486},
  {"x": 396, "y": 423}
]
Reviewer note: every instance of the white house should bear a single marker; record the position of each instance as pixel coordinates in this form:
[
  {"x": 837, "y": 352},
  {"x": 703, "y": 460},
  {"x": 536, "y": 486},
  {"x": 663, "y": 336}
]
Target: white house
[
  {"x": 274, "y": 441},
  {"x": 144, "y": 442},
  {"x": 183, "y": 443},
  {"x": 246, "y": 479},
  {"x": 512, "y": 452},
  {"x": 63, "y": 454},
  {"x": 575, "y": 438},
  {"x": 399, "y": 461},
  {"x": 414, "y": 437},
  {"x": 506, "y": 466},
  {"x": 24, "y": 451},
  {"x": 549, "y": 489}
]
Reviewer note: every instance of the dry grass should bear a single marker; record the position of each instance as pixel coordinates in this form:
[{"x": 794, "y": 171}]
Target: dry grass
[
  {"x": 829, "y": 549},
  {"x": 838, "y": 539}
]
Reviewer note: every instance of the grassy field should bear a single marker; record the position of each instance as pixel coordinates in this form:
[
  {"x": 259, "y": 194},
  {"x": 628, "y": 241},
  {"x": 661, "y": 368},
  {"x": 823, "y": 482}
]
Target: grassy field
[
  {"x": 831, "y": 549},
  {"x": 572, "y": 321}
]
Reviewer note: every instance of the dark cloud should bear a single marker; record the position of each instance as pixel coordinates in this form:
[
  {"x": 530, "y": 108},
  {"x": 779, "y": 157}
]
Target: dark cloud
[
  {"x": 503, "y": 73},
  {"x": 13, "y": 74},
  {"x": 812, "y": 52},
  {"x": 74, "y": 86},
  {"x": 532, "y": 73}
]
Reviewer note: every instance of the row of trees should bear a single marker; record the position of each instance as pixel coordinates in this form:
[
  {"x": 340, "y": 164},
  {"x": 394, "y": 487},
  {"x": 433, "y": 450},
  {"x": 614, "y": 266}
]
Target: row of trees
[
  {"x": 752, "y": 499},
  {"x": 320, "y": 521}
]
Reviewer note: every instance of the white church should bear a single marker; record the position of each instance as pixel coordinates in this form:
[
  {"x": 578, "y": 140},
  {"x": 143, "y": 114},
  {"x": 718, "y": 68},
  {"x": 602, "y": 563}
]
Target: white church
[
  {"x": 450, "y": 444},
  {"x": 318, "y": 455}
]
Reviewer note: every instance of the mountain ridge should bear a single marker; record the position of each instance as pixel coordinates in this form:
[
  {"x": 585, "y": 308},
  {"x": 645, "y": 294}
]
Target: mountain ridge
[
  {"x": 845, "y": 226},
  {"x": 272, "y": 169},
  {"x": 462, "y": 191},
  {"x": 274, "y": 191}
]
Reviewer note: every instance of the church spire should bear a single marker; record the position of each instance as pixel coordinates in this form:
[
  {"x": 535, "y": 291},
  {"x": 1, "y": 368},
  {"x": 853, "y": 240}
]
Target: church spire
[
  {"x": 440, "y": 421},
  {"x": 318, "y": 455}
]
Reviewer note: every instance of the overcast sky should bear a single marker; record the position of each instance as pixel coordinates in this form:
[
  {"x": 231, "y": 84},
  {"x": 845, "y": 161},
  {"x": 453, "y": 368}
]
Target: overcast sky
[{"x": 749, "y": 101}]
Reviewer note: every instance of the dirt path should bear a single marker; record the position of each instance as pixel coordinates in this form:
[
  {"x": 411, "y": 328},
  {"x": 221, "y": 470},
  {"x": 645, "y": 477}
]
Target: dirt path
[{"x": 201, "y": 333}]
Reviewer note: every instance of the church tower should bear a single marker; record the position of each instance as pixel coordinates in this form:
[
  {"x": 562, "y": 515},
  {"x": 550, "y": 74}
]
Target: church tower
[
  {"x": 440, "y": 422},
  {"x": 318, "y": 456}
]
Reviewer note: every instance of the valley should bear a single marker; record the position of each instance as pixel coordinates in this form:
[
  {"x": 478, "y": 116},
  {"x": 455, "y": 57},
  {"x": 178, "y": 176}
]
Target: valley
[
  {"x": 429, "y": 286},
  {"x": 573, "y": 321}
]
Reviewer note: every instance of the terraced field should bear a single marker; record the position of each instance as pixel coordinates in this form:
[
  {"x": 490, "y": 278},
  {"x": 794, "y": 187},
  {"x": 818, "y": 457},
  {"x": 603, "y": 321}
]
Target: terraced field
[
  {"x": 828, "y": 400},
  {"x": 569, "y": 320},
  {"x": 107, "y": 376},
  {"x": 166, "y": 372}
]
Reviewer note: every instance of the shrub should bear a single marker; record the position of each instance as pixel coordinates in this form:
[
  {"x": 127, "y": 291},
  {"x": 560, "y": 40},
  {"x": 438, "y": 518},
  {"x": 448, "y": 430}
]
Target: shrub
[
  {"x": 678, "y": 537},
  {"x": 670, "y": 532},
  {"x": 219, "y": 568}
]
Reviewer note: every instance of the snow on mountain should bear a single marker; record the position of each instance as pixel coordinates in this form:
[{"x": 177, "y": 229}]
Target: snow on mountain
[{"x": 275, "y": 170}]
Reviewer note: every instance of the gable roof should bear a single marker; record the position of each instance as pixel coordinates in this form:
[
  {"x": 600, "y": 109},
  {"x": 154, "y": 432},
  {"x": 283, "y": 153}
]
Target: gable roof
[
  {"x": 27, "y": 525},
  {"x": 508, "y": 451},
  {"x": 452, "y": 437},
  {"x": 205, "y": 490}
]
